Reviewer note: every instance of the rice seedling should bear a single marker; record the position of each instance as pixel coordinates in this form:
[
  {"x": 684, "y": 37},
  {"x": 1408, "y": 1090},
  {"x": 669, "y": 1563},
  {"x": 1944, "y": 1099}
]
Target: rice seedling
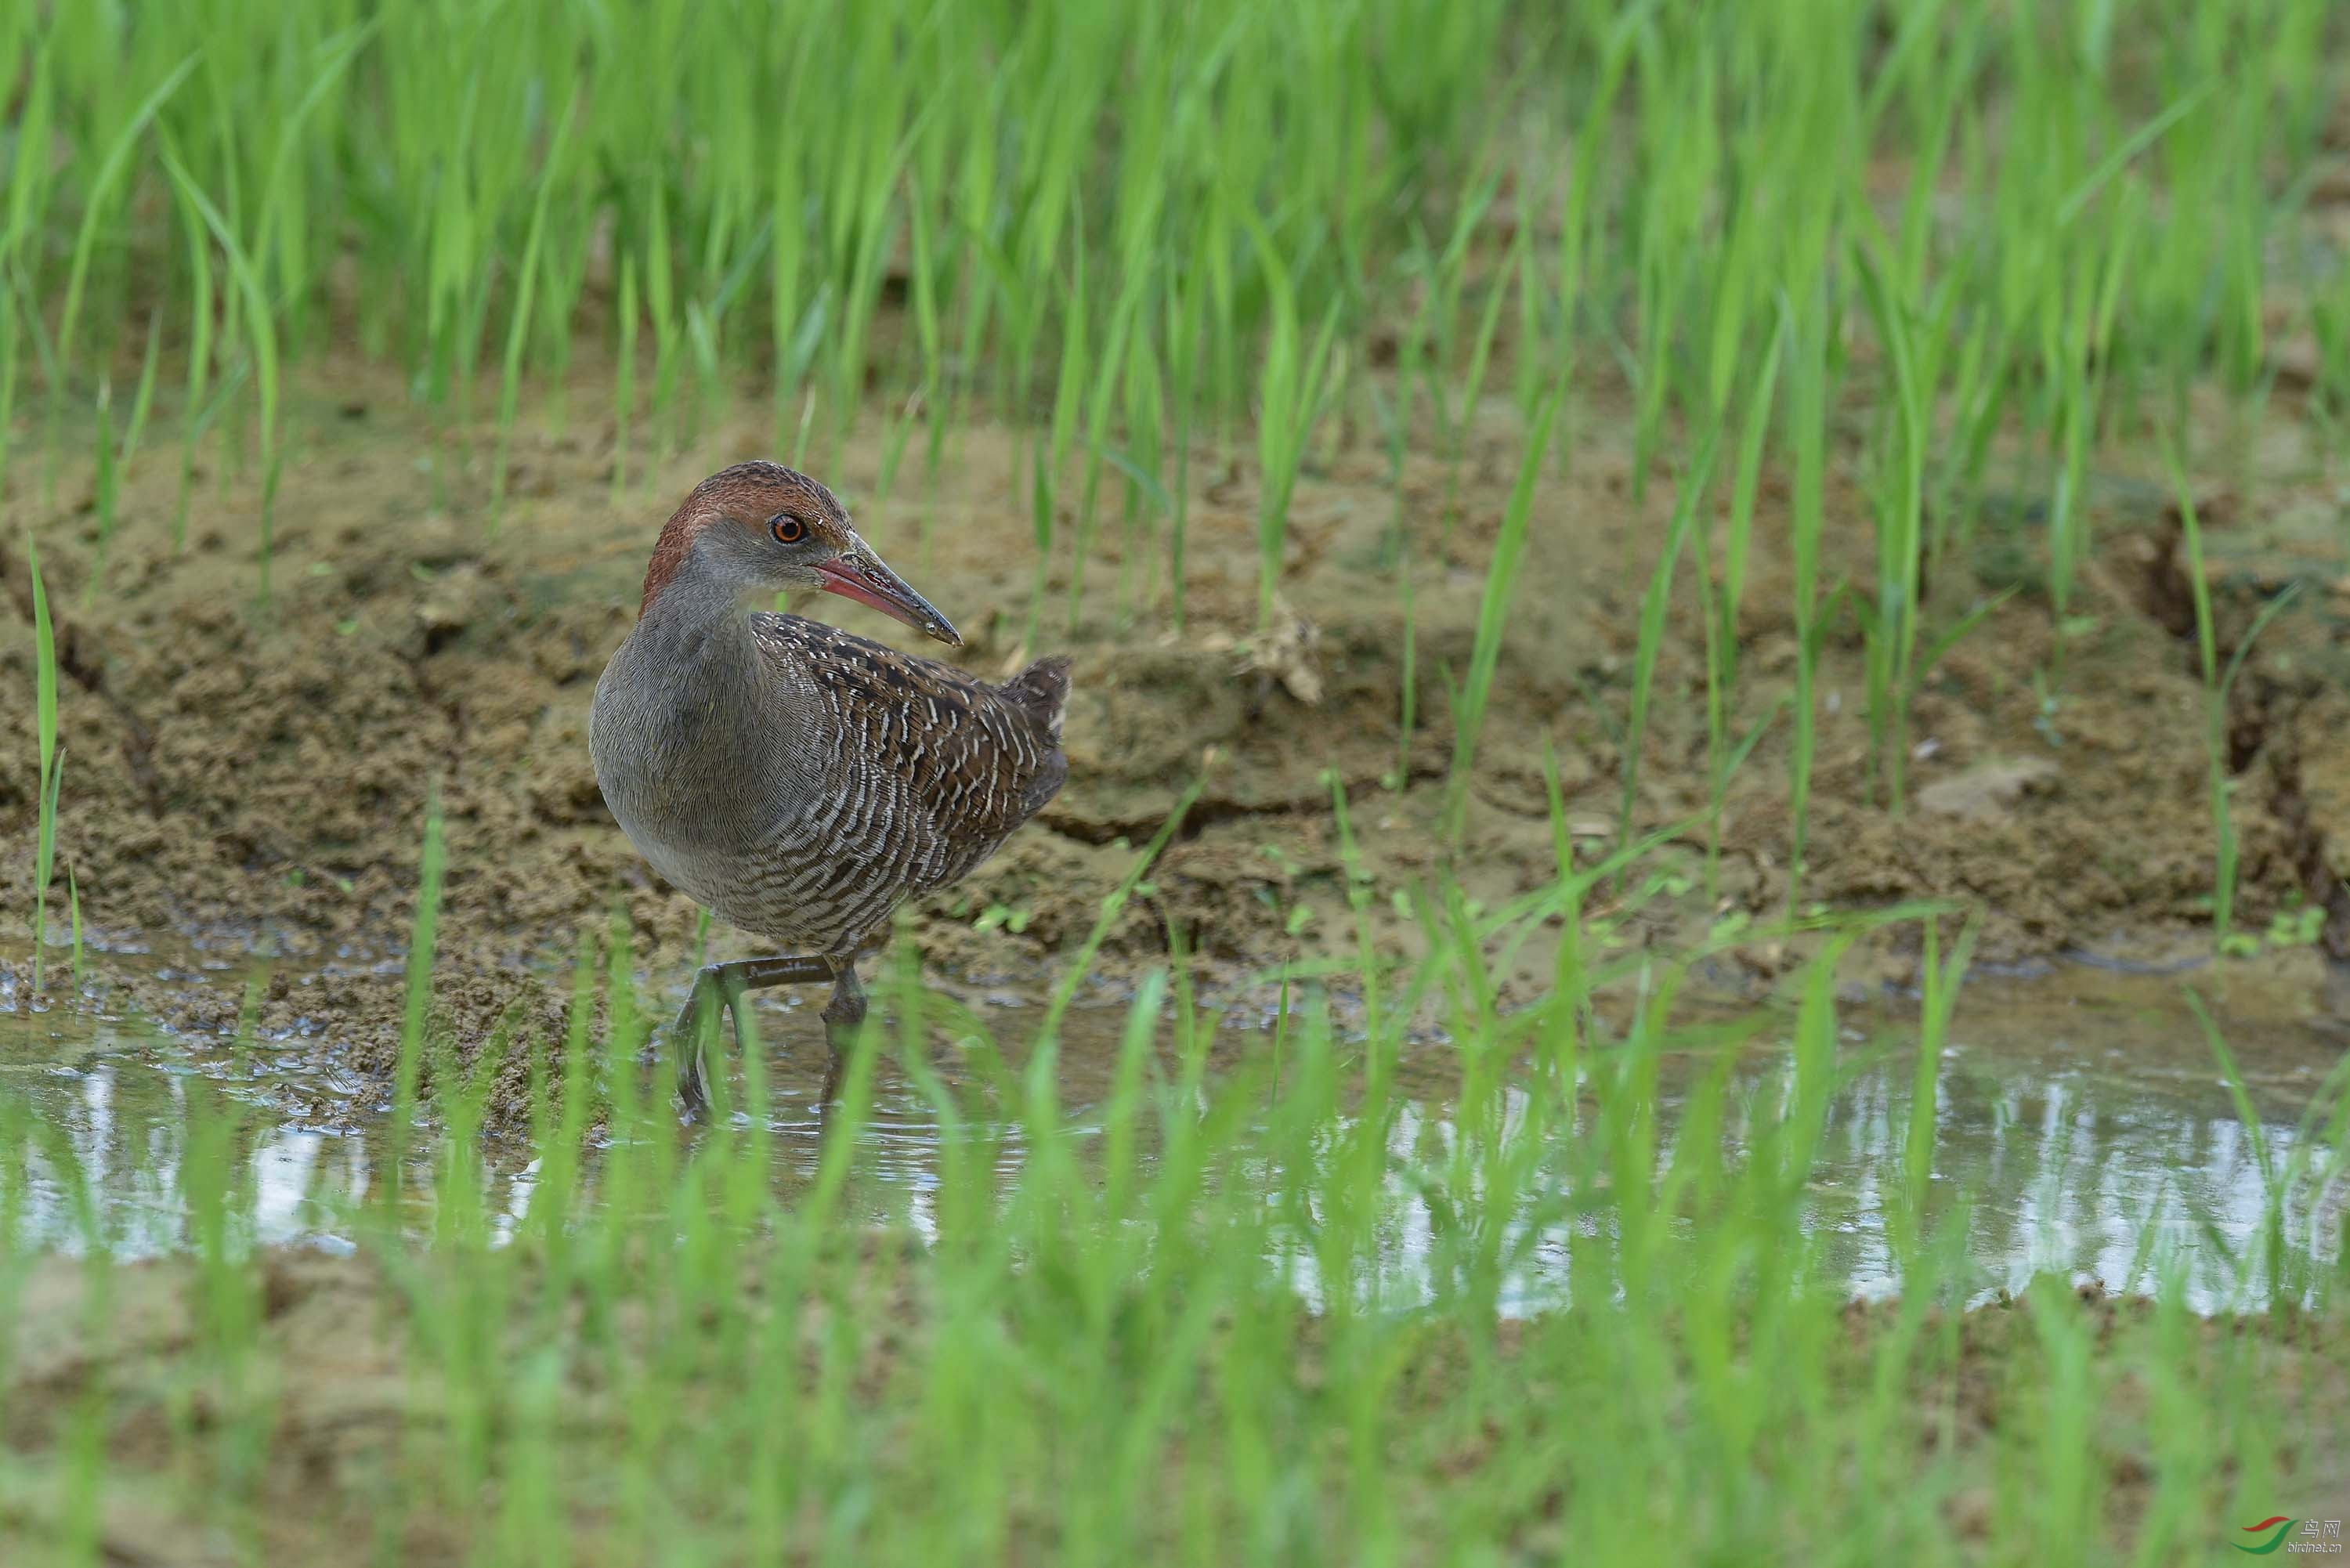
[
  {"x": 624, "y": 377},
  {"x": 1041, "y": 522},
  {"x": 73, "y": 906},
  {"x": 2275, "y": 1254},
  {"x": 1407, "y": 681},
  {"x": 1068, "y": 394},
  {"x": 143, "y": 399},
  {"x": 1492, "y": 618},
  {"x": 1891, "y": 620},
  {"x": 1426, "y": 350},
  {"x": 1290, "y": 401},
  {"x": 45, "y": 355},
  {"x": 103, "y": 425},
  {"x": 52, "y": 757},
  {"x": 31, "y": 174},
  {"x": 1720, "y": 603},
  {"x": 423, "y": 935},
  {"x": 1109, "y": 376},
  {"x": 1690, "y": 498},
  {"x": 526, "y": 278},
  {"x": 259, "y": 324},
  {"x": 1184, "y": 326},
  {"x": 1940, "y": 981},
  {"x": 661, "y": 301},
  {"x": 1472, "y": 384},
  {"x": 98, "y": 205},
  {"x": 1143, "y": 466},
  {"x": 2218, "y": 684},
  {"x": 1666, "y": 220},
  {"x": 9, "y": 368},
  {"x": 1807, "y": 411},
  {"x": 199, "y": 354}
]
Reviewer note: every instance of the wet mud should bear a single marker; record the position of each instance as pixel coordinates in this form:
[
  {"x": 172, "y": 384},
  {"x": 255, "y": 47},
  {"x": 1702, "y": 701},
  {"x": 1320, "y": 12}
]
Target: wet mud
[{"x": 254, "y": 778}]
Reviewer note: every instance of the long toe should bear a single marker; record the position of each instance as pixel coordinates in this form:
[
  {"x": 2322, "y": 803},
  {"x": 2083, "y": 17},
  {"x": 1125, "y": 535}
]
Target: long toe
[
  {"x": 843, "y": 1015},
  {"x": 691, "y": 1092},
  {"x": 686, "y": 1038}
]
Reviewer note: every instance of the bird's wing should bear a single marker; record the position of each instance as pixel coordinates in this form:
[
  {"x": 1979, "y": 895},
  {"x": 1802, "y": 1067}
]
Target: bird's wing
[{"x": 974, "y": 761}]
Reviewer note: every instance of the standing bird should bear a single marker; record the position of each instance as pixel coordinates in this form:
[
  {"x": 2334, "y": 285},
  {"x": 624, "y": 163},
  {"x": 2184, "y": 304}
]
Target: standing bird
[{"x": 798, "y": 782}]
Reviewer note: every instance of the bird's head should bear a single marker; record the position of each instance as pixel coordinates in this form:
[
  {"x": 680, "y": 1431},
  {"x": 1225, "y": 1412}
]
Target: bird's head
[{"x": 758, "y": 527}]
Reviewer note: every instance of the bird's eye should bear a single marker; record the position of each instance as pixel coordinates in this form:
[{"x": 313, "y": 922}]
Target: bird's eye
[{"x": 787, "y": 529}]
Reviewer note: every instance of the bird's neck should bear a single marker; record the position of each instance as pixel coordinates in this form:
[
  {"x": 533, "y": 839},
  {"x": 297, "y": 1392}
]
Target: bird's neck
[
  {"x": 694, "y": 640},
  {"x": 703, "y": 743},
  {"x": 694, "y": 724}
]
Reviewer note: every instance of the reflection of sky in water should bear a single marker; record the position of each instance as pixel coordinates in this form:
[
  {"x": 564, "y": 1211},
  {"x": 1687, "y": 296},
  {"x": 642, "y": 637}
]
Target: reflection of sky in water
[
  {"x": 2070, "y": 1153},
  {"x": 2094, "y": 1177}
]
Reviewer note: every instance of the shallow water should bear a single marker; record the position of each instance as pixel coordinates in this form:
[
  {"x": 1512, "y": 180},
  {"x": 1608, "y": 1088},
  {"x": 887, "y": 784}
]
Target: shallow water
[
  {"x": 2081, "y": 1120},
  {"x": 2087, "y": 1126}
]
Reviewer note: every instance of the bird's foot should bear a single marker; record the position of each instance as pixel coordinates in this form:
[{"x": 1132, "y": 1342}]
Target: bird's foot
[
  {"x": 725, "y": 987},
  {"x": 843, "y": 1015},
  {"x": 711, "y": 994}
]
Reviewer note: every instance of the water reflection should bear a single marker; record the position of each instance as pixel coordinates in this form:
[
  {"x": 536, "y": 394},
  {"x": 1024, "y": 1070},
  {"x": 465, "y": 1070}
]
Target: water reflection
[
  {"x": 2097, "y": 1142},
  {"x": 110, "y": 1125},
  {"x": 2104, "y": 1177}
]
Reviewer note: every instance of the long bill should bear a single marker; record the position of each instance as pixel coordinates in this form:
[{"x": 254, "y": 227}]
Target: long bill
[{"x": 861, "y": 575}]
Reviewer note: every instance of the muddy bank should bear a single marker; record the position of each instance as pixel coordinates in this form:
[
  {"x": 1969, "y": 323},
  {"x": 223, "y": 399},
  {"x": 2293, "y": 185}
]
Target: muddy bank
[{"x": 257, "y": 774}]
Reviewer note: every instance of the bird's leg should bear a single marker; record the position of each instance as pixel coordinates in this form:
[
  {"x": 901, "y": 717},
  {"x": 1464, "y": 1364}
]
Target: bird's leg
[
  {"x": 723, "y": 985},
  {"x": 843, "y": 1015}
]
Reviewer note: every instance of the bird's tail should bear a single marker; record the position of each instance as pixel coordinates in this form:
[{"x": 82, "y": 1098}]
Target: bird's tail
[{"x": 1042, "y": 691}]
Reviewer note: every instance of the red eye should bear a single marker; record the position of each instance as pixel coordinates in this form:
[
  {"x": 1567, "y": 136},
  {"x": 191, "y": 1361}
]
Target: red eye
[{"x": 788, "y": 530}]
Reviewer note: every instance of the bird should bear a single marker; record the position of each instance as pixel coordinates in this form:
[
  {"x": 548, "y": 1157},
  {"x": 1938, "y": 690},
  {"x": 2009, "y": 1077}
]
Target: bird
[{"x": 795, "y": 780}]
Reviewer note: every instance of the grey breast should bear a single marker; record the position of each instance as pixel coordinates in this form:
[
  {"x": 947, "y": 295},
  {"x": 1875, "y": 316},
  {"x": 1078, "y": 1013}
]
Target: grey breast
[{"x": 708, "y": 782}]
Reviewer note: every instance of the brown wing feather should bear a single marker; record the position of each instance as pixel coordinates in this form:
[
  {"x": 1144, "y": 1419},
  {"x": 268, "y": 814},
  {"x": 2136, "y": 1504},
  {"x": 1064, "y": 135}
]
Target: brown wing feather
[{"x": 971, "y": 760}]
